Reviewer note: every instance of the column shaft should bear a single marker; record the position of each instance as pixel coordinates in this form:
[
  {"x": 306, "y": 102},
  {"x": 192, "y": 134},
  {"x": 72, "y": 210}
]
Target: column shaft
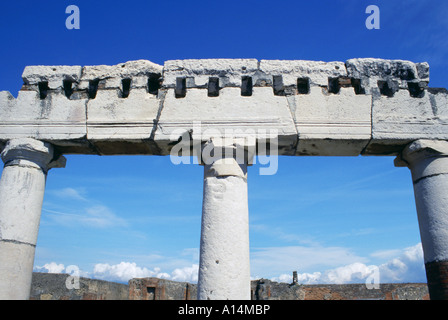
[
  {"x": 428, "y": 162},
  {"x": 224, "y": 267},
  {"x": 22, "y": 187}
]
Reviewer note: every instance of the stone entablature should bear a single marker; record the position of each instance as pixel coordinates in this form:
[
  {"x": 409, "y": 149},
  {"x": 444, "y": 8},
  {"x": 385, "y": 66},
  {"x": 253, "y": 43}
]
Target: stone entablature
[{"x": 362, "y": 106}]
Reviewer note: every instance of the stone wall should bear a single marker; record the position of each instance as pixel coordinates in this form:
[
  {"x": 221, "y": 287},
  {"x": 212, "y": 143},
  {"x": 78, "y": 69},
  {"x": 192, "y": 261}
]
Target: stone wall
[
  {"x": 161, "y": 289},
  {"x": 47, "y": 286},
  {"x": 52, "y": 286},
  {"x": 268, "y": 290}
]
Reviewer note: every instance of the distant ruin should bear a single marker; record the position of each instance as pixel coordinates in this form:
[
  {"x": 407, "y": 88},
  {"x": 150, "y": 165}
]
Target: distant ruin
[{"x": 48, "y": 286}]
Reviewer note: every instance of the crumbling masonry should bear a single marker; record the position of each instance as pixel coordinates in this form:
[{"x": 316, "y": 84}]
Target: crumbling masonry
[{"x": 360, "y": 107}]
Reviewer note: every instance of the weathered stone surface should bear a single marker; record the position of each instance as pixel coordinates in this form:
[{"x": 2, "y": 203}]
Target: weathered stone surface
[
  {"x": 52, "y": 286},
  {"x": 264, "y": 289},
  {"x": 428, "y": 162},
  {"x": 381, "y": 68},
  {"x": 198, "y": 71},
  {"x": 113, "y": 119},
  {"x": 332, "y": 124},
  {"x": 47, "y": 286},
  {"x": 399, "y": 120},
  {"x": 317, "y": 72},
  {"x": 329, "y": 117},
  {"x": 22, "y": 186},
  {"x": 54, "y": 75},
  {"x": 228, "y": 115},
  {"x": 53, "y": 118},
  {"x": 437, "y": 275},
  {"x": 400, "y": 72},
  {"x": 387, "y": 291},
  {"x": 316, "y": 107},
  {"x": 118, "y": 114},
  {"x": 161, "y": 289},
  {"x": 111, "y": 76},
  {"x": 224, "y": 230}
]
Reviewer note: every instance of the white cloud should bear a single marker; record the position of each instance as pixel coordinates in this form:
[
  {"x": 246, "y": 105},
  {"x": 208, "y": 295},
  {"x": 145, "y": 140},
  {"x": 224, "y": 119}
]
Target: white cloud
[
  {"x": 352, "y": 273},
  {"x": 187, "y": 274},
  {"x": 51, "y": 267},
  {"x": 271, "y": 260},
  {"x": 96, "y": 216},
  {"x": 54, "y": 267},
  {"x": 386, "y": 254},
  {"x": 101, "y": 216},
  {"x": 407, "y": 267},
  {"x": 124, "y": 271},
  {"x": 69, "y": 193},
  {"x": 85, "y": 212}
]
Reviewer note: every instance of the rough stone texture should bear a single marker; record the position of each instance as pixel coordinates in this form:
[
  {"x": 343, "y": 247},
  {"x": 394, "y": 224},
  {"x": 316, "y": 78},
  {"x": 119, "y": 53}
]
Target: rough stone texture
[
  {"x": 117, "y": 114},
  {"x": 317, "y": 72},
  {"x": 22, "y": 187},
  {"x": 363, "y": 106},
  {"x": 52, "y": 286},
  {"x": 198, "y": 71},
  {"x": 16, "y": 267},
  {"x": 44, "y": 110},
  {"x": 399, "y": 120},
  {"x": 264, "y": 289},
  {"x": 224, "y": 231},
  {"x": 55, "y": 118},
  {"x": 112, "y": 121},
  {"x": 54, "y": 75},
  {"x": 161, "y": 289},
  {"x": 370, "y": 71},
  {"x": 110, "y": 77},
  {"x": 224, "y": 240},
  {"x": 437, "y": 275},
  {"x": 229, "y": 114},
  {"x": 428, "y": 162},
  {"x": 406, "y": 291},
  {"x": 268, "y": 290},
  {"x": 332, "y": 124}
]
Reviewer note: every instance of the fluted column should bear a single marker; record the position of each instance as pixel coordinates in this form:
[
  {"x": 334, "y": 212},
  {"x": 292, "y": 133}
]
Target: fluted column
[
  {"x": 428, "y": 162},
  {"x": 22, "y": 187},
  {"x": 224, "y": 267}
]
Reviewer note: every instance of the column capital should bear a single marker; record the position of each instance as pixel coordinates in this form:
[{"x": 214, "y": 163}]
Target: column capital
[
  {"x": 425, "y": 158},
  {"x": 421, "y": 149},
  {"x": 33, "y": 153},
  {"x": 226, "y": 157}
]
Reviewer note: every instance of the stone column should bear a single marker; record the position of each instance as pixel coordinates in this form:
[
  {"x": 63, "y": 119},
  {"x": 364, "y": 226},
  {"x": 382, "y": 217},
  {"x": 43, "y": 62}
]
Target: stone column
[
  {"x": 22, "y": 186},
  {"x": 428, "y": 162},
  {"x": 224, "y": 267}
]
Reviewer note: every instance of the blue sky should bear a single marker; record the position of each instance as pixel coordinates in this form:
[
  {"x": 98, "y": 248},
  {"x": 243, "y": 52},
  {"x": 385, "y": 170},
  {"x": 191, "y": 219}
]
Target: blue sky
[{"x": 331, "y": 219}]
